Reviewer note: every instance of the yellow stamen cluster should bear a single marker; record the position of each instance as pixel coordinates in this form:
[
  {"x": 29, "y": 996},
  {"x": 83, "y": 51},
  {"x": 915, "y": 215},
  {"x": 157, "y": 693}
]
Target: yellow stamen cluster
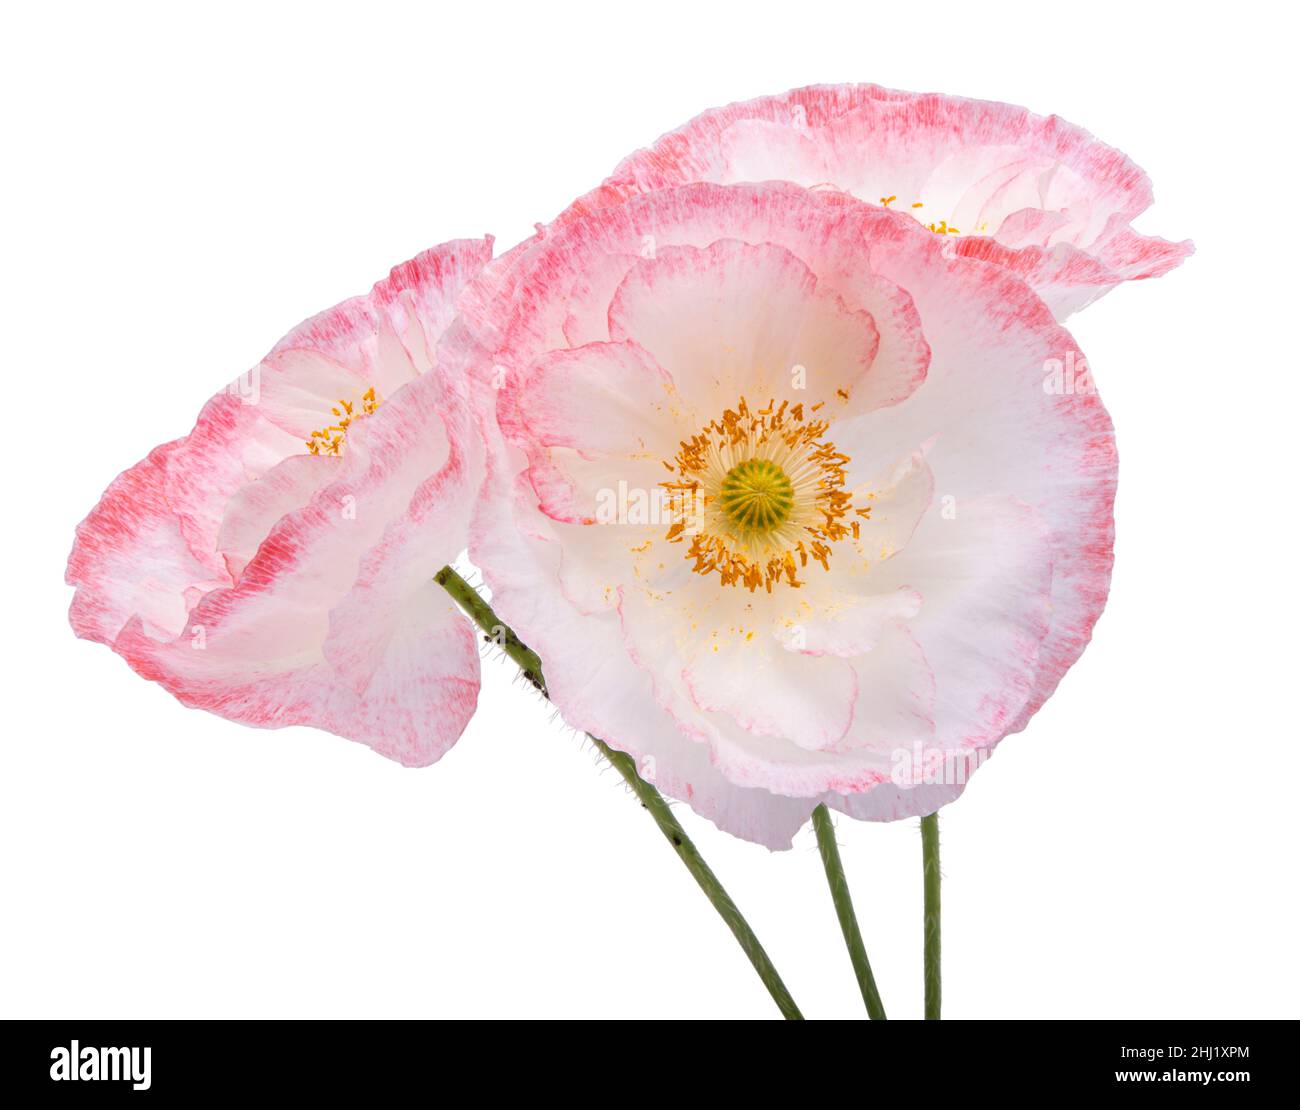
[
  {"x": 940, "y": 228},
  {"x": 760, "y": 494},
  {"x": 329, "y": 440}
]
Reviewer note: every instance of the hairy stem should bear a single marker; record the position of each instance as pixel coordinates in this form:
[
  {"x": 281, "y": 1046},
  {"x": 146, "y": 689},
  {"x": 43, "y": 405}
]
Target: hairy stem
[
  {"x": 481, "y": 613},
  {"x": 930, "y": 869},
  {"x": 839, "y": 885}
]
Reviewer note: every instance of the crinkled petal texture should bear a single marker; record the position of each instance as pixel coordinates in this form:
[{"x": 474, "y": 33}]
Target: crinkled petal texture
[
  {"x": 1034, "y": 194},
  {"x": 897, "y": 533},
  {"x": 275, "y": 565}
]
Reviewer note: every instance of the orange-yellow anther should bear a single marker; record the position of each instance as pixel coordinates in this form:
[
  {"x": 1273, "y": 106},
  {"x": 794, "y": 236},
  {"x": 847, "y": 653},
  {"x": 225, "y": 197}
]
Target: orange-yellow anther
[
  {"x": 939, "y": 228},
  {"x": 778, "y": 457},
  {"x": 330, "y": 439}
]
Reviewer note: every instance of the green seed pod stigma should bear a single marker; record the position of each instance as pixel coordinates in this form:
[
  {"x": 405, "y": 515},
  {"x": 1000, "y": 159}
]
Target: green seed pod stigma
[{"x": 756, "y": 497}]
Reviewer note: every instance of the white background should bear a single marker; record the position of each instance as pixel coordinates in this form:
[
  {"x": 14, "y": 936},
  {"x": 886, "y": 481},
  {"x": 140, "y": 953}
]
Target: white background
[{"x": 181, "y": 187}]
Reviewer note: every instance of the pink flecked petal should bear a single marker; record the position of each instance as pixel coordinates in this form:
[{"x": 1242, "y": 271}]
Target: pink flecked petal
[
  {"x": 524, "y": 299},
  {"x": 888, "y": 802},
  {"x": 378, "y": 337},
  {"x": 259, "y": 652},
  {"x": 772, "y": 692},
  {"x": 587, "y": 318},
  {"x": 990, "y": 325},
  {"x": 737, "y": 320},
  {"x": 301, "y": 387},
  {"x": 292, "y": 588},
  {"x": 985, "y": 580},
  {"x": 255, "y": 508},
  {"x": 977, "y": 166},
  {"x": 130, "y": 559},
  {"x": 565, "y": 403},
  {"x": 1134, "y": 257},
  {"x": 397, "y": 639},
  {"x": 892, "y": 711},
  {"x": 1030, "y": 227},
  {"x": 1069, "y": 279}
]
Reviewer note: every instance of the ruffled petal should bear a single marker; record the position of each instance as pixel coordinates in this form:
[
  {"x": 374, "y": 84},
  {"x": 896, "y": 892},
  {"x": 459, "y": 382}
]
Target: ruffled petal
[
  {"x": 1027, "y": 429},
  {"x": 326, "y": 625},
  {"x": 738, "y": 319},
  {"x": 255, "y": 508},
  {"x": 130, "y": 559},
  {"x": 291, "y": 588},
  {"x": 995, "y": 174},
  {"x": 576, "y": 406}
]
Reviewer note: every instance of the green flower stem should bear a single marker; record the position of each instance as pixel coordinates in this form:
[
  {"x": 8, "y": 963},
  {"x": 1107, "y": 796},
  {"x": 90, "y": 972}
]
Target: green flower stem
[
  {"x": 844, "y": 910},
  {"x": 481, "y": 613},
  {"x": 930, "y": 866}
]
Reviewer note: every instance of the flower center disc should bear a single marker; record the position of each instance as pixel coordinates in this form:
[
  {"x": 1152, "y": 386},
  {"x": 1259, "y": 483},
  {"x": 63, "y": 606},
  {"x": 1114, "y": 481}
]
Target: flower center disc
[{"x": 756, "y": 496}]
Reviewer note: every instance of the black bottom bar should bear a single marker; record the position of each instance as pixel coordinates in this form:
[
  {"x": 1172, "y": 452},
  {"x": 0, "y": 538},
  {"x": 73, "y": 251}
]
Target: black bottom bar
[{"x": 93, "y": 1059}]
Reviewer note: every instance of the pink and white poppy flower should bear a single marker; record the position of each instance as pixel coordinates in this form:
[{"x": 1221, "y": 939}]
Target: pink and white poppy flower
[
  {"x": 785, "y": 497},
  {"x": 1035, "y": 194},
  {"x": 275, "y": 565}
]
